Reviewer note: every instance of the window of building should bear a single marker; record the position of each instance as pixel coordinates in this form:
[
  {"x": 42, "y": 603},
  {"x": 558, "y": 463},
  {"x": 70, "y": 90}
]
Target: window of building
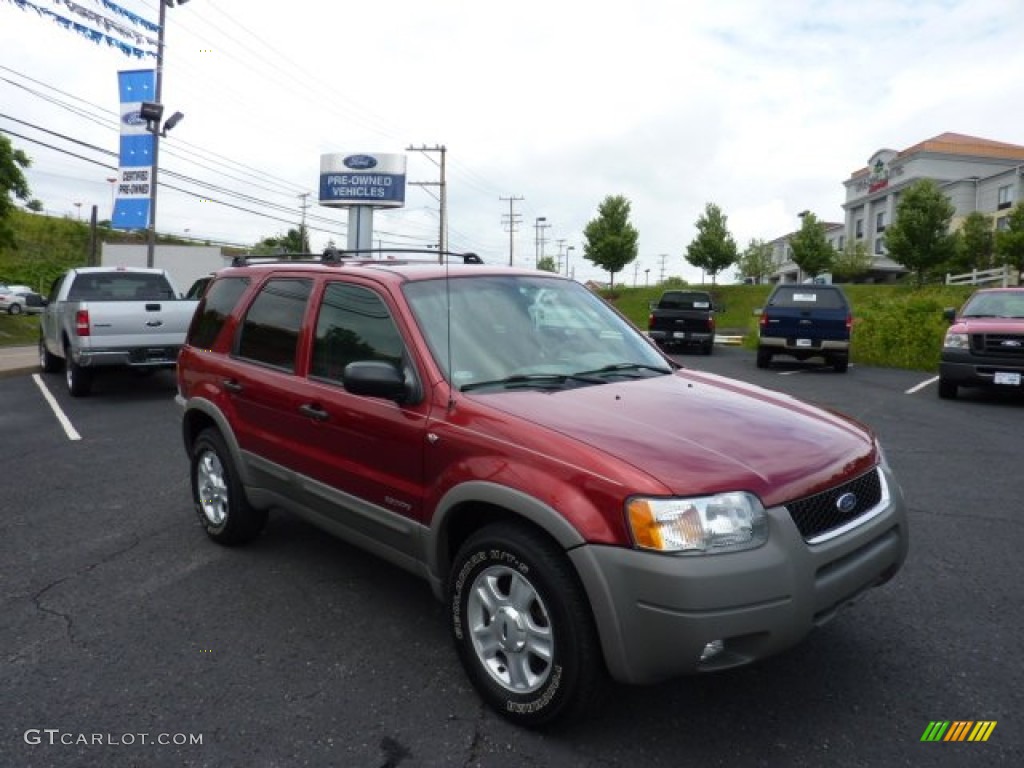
[
  {"x": 354, "y": 324},
  {"x": 270, "y": 332},
  {"x": 858, "y": 228},
  {"x": 879, "y": 246},
  {"x": 841, "y": 243},
  {"x": 1005, "y": 197},
  {"x": 880, "y": 221},
  {"x": 1003, "y": 223}
]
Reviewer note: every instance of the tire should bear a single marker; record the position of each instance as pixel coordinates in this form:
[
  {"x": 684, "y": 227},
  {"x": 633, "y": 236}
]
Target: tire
[
  {"x": 49, "y": 363},
  {"x": 217, "y": 493},
  {"x": 764, "y": 358},
  {"x": 840, "y": 363},
  {"x": 79, "y": 379},
  {"x": 523, "y": 628},
  {"x": 708, "y": 348},
  {"x": 14, "y": 309},
  {"x": 947, "y": 389}
]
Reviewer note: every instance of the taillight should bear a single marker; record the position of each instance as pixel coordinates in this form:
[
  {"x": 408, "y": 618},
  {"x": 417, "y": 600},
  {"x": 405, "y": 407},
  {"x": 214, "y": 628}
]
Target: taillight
[
  {"x": 849, "y": 323},
  {"x": 82, "y": 322},
  {"x": 650, "y": 321},
  {"x": 711, "y": 324},
  {"x": 763, "y": 320}
]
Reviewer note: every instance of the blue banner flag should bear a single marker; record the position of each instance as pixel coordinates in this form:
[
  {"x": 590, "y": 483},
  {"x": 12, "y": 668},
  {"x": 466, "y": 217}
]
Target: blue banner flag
[{"x": 135, "y": 161}]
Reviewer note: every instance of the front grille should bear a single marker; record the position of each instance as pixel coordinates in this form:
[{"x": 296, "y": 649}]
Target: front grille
[
  {"x": 819, "y": 514},
  {"x": 1001, "y": 344}
]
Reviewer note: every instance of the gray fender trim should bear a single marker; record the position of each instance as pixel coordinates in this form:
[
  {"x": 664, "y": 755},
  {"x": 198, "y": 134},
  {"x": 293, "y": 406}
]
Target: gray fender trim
[
  {"x": 517, "y": 502},
  {"x": 210, "y": 410}
]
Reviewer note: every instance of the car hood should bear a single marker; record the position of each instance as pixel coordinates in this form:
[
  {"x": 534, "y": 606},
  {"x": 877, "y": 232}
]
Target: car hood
[
  {"x": 697, "y": 433},
  {"x": 988, "y": 325}
]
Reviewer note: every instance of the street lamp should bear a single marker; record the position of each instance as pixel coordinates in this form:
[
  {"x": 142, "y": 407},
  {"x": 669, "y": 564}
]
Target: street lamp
[
  {"x": 537, "y": 226},
  {"x": 152, "y": 112},
  {"x": 647, "y": 276},
  {"x": 568, "y": 248},
  {"x": 113, "y": 197},
  {"x": 79, "y": 207}
]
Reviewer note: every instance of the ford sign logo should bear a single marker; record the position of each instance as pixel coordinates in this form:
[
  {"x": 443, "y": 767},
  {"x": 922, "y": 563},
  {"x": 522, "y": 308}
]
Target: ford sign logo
[
  {"x": 846, "y": 503},
  {"x": 132, "y": 118},
  {"x": 360, "y": 162},
  {"x": 1011, "y": 343}
]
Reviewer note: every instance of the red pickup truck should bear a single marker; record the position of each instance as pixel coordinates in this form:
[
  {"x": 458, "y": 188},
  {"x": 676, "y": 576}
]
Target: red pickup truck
[{"x": 984, "y": 346}]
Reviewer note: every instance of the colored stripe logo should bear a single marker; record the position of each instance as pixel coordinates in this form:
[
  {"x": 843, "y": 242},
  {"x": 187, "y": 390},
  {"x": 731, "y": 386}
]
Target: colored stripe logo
[{"x": 958, "y": 730}]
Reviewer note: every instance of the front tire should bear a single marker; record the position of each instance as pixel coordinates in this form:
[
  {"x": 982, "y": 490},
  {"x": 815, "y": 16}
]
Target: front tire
[
  {"x": 522, "y": 626},
  {"x": 947, "y": 389},
  {"x": 217, "y": 493},
  {"x": 764, "y": 358},
  {"x": 14, "y": 309},
  {"x": 49, "y": 363}
]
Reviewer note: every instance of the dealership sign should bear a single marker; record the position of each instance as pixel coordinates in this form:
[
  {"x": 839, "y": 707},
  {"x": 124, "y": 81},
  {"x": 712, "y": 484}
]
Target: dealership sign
[{"x": 362, "y": 179}]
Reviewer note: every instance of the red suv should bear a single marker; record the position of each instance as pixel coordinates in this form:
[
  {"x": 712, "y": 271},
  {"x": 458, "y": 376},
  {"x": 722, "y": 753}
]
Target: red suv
[{"x": 586, "y": 508}]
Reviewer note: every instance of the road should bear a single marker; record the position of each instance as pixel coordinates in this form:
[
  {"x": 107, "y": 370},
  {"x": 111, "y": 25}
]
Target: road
[{"x": 124, "y": 627}]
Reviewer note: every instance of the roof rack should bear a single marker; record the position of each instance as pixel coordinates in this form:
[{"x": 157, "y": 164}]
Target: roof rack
[{"x": 333, "y": 255}]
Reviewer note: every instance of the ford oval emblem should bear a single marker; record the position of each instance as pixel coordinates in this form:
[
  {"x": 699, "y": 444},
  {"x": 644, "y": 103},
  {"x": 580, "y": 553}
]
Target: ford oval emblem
[
  {"x": 133, "y": 118},
  {"x": 360, "y": 162},
  {"x": 1011, "y": 343},
  {"x": 846, "y": 503}
]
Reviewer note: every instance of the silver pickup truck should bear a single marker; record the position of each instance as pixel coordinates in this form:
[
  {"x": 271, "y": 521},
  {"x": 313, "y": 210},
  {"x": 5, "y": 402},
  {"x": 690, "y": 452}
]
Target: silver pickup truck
[{"x": 103, "y": 317}]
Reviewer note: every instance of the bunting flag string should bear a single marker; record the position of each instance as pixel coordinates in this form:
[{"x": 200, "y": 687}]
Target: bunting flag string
[
  {"x": 108, "y": 24},
  {"x": 87, "y": 32}
]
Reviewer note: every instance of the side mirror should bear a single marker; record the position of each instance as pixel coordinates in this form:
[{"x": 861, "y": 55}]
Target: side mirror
[
  {"x": 949, "y": 314},
  {"x": 375, "y": 378}
]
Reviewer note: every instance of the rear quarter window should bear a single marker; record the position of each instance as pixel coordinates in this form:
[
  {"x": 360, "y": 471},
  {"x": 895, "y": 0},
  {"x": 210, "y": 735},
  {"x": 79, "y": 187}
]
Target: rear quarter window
[
  {"x": 270, "y": 331},
  {"x": 213, "y": 312}
]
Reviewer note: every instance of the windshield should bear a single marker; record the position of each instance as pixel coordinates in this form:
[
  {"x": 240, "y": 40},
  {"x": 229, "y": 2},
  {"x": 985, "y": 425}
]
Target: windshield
[
  {"x": 525, "y": 331},
  {"x": 1009, "y": 304}
]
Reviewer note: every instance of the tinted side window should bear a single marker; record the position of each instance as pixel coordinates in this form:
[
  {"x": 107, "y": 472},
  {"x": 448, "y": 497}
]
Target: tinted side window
[
  {"x": 353, "y": 324},
  {"x": 809, "y": 297},
  {"x": 270, "y": 331},
  {"x": 213, "y": 313}
]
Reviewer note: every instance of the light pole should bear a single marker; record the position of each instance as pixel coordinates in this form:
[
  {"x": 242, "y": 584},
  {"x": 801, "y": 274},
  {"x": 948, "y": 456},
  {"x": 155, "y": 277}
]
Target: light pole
[
  {"x": 569, "y": 248},
  {"x": 152, "y": 112},
  {"x": 113, "y": 195},
  {"x": 79, "y": 207},
  {"x": 647, "y": 277},
  {"x": 537, "y": 226}
]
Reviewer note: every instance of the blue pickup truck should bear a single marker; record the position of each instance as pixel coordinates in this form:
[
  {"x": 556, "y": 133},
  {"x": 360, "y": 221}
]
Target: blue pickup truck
[{"x": 805, "y": 320}]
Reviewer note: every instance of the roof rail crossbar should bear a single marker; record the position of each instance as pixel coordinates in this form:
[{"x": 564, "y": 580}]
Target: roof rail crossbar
[{"x": 332, "y": 255}]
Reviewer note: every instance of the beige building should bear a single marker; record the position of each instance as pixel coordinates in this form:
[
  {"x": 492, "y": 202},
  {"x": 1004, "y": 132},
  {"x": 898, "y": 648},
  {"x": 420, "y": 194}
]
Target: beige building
[{"x": 977, "y": 175}]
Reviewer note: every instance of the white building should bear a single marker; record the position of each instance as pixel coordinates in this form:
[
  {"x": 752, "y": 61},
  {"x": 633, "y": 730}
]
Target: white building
[{"x": 977, "y": 175}]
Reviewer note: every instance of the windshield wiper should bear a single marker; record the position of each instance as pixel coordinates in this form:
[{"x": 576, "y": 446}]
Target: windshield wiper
[
  {"x": 623, "y": 368},
  {"x": 526, "y": 380}
]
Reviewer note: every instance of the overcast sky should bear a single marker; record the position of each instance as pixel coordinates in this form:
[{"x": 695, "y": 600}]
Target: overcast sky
[{"x": 763, "y": 108}]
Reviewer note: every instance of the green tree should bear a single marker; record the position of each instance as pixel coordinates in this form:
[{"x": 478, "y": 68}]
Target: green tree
[
  {"x": 919, "y": 239},
  {"x": 1009, "y": 242},
  {"x": 291, "y": 242},
  {"x": 35, "y": 205},
  {"x": 975, "y": 244},
  {"x": 12, "y": 181},
  {"x": 714, "y": 249},
  {"x": 756, "y": 261},
  {"x": 811, "y": 250},
  {"x": 610, "y": 239},
  {"x": 547, "y": 263},
  {"x": 852, "y": 262}
]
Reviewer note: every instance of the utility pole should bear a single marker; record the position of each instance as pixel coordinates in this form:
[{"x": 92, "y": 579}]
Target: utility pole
[
  {"x": 302, "y": 225},
  {"x": 442, "y": 237},
  {"x": 513, "y": 220},
  {"x": 561, "y": 244},
  {"x": 663, "y": 257}
]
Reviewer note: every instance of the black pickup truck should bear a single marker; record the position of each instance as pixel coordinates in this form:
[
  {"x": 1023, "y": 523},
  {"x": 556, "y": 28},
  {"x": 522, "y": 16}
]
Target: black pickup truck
[{"x": 683, "y": 318}]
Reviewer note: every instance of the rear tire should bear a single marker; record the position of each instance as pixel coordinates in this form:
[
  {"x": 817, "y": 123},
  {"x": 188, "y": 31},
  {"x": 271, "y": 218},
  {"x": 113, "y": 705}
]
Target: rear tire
[
  {"x": 708, "y": 348},
  {"x": 947, "y": 389},
  {"x": 840, "y": 364},
  {"x": 523, "y": 628},
  {"x": 14, "y": 309},
  {"x": 764, "y": 358},
  {"x": 217, "y": 493},
  {"x": 79, "y": 379}
]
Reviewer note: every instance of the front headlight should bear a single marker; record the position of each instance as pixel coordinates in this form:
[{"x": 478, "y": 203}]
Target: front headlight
[
  {"x": 956, "y": 340},
  {"x": 725, "y": 522}
]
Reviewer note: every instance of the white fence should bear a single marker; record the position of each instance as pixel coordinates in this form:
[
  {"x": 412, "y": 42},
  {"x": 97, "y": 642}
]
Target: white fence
[{"x": 1001, "y": 275}]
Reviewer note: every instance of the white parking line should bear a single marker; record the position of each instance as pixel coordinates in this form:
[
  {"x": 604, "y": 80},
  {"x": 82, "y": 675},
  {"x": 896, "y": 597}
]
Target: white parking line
[
  {"x": 64, "y": 420},
  {"x": 922, "y": 385}
]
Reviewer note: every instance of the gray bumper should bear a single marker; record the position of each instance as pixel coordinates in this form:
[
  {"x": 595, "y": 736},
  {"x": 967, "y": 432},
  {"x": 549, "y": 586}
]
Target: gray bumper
[
  {"x": 141, "y": 357},
  {"x": 655, "y": 613},
  {"x": 967, "y": 371},
  {"x": 779, "y": 343}
]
